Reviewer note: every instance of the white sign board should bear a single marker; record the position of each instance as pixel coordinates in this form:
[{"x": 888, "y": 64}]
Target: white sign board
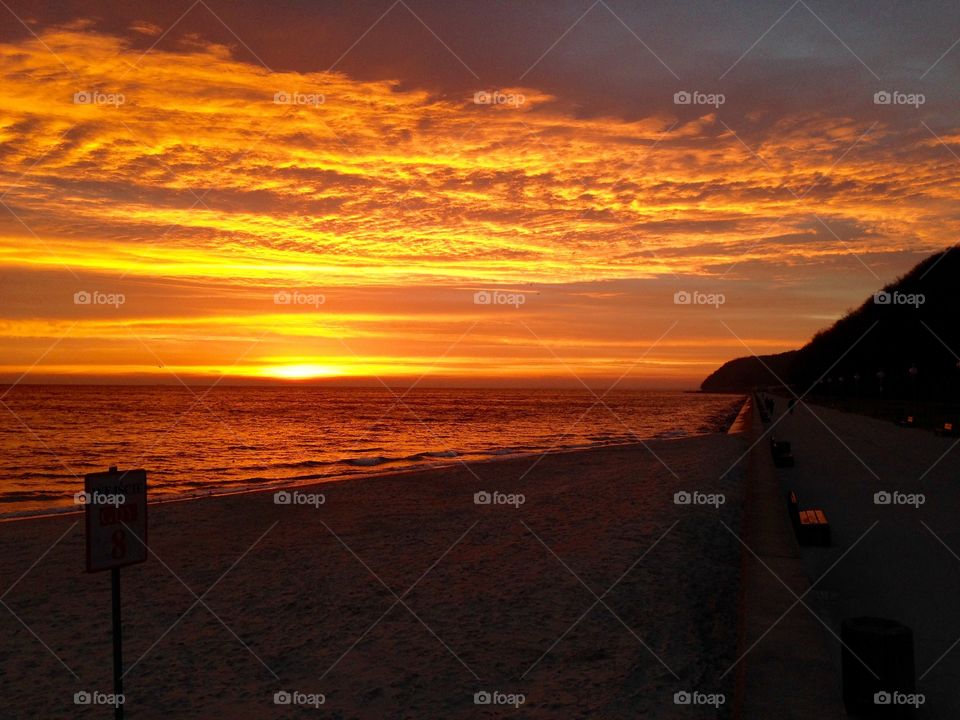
[{"x": 116, "y": 513}]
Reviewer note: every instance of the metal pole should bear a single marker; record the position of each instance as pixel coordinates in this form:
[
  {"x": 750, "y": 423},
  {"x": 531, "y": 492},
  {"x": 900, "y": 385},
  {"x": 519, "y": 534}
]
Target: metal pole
[{"x": 117, "y": 644}]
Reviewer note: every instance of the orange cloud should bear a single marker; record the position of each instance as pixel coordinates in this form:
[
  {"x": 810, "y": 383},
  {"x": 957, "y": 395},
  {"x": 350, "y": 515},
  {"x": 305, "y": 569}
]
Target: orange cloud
[{"x": 194, "y": 173}]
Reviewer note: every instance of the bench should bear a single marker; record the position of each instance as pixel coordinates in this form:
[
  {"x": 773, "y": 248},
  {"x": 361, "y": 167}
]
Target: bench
[
  {"x": 810, "y": 526},
  {"x": 782, "y": 456},
  {"x": 813, "y": 528},
  {"x": 948, "y": 430}
]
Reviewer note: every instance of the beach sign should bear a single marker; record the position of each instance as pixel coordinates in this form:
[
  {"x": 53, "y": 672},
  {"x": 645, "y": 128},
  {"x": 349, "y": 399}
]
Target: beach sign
[{"x": 115, "y": 505}]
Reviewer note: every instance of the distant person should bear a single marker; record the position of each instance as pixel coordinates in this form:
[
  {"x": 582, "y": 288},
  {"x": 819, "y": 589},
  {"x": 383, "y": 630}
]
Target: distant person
[{"x": 790, "y": 403}]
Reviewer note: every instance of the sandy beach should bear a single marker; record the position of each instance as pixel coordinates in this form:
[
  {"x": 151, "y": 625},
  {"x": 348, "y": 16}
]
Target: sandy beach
[{"x": 399, "y": 597}]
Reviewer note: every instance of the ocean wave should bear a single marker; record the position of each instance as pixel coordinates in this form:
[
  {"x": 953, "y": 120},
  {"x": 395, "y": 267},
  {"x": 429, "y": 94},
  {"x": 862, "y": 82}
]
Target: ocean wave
[
  {"x": 28, "y": 495},
  {"x": 45, "y": 476},
  {"x": 56, "y": 510},
  {"x": 370, "y": 461},
  {"x": 303, "y": 464},
  {"x": 671, "y": 434}
]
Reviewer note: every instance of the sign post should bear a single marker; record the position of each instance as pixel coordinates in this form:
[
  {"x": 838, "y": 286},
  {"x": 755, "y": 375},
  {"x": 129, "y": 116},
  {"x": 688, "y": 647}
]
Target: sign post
[
  {"x": 117, "y": 642},
  {"x": 116, "y": 520}
]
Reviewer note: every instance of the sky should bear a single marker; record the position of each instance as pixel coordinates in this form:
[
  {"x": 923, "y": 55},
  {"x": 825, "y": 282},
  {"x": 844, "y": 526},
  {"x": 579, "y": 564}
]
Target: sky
[{"x": 462, "y": 192}]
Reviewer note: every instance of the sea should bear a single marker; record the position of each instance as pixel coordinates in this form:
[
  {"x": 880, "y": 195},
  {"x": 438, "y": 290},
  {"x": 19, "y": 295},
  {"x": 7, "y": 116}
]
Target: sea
[{"x": 198, "y": 441}]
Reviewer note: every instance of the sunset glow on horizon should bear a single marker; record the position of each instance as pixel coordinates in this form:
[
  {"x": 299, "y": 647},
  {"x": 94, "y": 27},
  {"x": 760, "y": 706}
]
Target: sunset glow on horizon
[{"x": 182, "y": 211}]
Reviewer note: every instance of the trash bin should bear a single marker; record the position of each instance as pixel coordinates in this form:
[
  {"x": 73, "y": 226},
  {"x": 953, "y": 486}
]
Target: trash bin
[{"x": 886, "y": 647}]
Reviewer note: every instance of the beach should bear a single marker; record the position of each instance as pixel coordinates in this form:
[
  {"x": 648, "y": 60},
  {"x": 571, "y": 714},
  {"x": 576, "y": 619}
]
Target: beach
[
  {"x": 571, "y": 584},
  {"x": 581, "y": 590}
]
